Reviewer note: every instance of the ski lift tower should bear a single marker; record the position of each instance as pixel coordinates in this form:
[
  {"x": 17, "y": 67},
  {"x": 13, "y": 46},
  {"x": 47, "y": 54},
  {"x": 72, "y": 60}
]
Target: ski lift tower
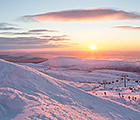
[
  {"x": 124, "y": 78},
  {"x": 104, "y": 83}
]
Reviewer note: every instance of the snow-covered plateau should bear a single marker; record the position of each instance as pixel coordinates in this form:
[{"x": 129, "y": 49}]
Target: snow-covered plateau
[{"x": 67, "y": 88}]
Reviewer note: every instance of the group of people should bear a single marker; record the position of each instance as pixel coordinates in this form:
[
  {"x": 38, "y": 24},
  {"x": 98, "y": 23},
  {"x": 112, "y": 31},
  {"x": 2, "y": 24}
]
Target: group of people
[
  {"x": 133, "y": 98},
  {"x": 129, "y": 97}
]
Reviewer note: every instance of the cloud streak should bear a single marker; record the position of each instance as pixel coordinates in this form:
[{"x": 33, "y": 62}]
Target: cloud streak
[
  {"x": 7, "y": 26},
  {"x": 30, "y": 32},
  {"x": 30, "y": 42},
  {"x": 19, "y": 33},
  {"x": 57, "y": 38},
  {"x": 42, "y": 30},
  {"x": 126, "y": 27},
  {"x": 85, "y": 15},
  {"x": 22, "y": 41}
]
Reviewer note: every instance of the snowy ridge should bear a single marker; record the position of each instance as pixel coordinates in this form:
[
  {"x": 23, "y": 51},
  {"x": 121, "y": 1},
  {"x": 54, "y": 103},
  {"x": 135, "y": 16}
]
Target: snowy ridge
[{"x": 26, "y": 93}]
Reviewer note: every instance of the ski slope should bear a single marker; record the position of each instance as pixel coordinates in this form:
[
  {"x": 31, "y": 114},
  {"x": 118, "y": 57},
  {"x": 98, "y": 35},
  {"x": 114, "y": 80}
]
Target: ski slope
[{"x": 26, "y": 93}]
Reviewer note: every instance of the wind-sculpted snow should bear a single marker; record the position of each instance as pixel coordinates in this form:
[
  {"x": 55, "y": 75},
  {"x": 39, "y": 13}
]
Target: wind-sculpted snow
[{"x": 26, "y": 93}]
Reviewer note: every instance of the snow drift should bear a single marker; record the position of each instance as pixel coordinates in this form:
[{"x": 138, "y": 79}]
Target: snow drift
[{"x": 26, "y": 93}]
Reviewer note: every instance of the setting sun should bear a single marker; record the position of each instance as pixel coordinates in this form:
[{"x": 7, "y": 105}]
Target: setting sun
[{"x": 93, "y": 47}]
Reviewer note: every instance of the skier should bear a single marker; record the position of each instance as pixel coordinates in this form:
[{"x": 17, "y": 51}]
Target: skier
[
  {"x": 129, "y": 98},
  {"x": 135, "y": 99},
  {"x": 119, "y": 94}
]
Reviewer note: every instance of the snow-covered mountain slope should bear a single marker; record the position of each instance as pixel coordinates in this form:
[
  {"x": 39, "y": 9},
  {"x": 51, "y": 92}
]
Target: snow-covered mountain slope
[{"x": 26, "y": 93}]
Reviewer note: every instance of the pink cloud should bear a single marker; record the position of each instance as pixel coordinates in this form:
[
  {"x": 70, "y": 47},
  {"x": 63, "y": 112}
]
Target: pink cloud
[
  {"x": 127, "y": 27},
  {"x": 84, "y": 15}
]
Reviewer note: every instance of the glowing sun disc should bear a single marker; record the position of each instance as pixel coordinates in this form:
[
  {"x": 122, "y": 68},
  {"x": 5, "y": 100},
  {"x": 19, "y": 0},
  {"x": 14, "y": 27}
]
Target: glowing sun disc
[{"x": 92, "y": 47}]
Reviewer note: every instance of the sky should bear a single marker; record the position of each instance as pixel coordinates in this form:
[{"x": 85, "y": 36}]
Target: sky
[{"x": 60, "y": 25}]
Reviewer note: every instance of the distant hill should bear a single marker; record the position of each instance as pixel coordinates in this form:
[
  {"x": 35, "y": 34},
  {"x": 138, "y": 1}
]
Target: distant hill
[
  {"x": 73, "y": 63},
  {"x": 22, "y": 59}
]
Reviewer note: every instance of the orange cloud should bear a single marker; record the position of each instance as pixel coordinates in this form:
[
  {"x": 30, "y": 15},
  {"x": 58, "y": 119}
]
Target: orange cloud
[
  {"x": 127, "y": 27},
  {"x": 84, "y": 15}
]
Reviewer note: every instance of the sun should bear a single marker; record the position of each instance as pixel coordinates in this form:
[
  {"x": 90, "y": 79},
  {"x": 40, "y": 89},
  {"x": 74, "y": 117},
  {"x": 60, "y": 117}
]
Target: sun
[{"x": 93, "y": 47}]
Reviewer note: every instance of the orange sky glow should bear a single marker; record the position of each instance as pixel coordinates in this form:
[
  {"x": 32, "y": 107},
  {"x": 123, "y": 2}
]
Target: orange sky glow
[{"x": 66, "y": 28}]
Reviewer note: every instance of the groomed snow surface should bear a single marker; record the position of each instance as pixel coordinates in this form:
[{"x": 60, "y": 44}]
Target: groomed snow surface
[{"x": 30, "y": 94}]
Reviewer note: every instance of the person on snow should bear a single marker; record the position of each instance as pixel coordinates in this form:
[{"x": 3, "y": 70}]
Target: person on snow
[{"x": 119, "y": 94}]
